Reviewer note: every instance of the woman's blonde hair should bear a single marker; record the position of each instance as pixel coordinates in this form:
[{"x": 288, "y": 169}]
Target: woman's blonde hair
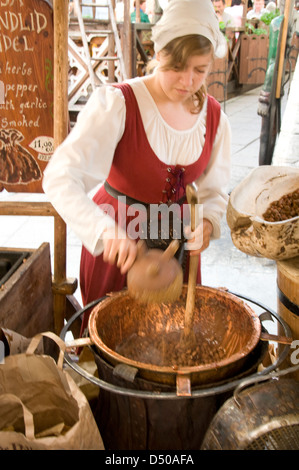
[{"x": 177, "y": 53}]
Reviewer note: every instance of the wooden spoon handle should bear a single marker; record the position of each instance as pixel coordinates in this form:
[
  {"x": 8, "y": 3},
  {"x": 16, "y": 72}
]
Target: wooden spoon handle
[
  {"x": 171, "y": 250},
  {"x": 190, "y": 301},
  {"x": 193, "y": 266}
]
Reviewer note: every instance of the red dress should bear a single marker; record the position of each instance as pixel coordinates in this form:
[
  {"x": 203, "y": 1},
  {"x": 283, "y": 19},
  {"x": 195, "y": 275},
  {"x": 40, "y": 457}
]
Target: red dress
[{"x": 138, "y": 173}]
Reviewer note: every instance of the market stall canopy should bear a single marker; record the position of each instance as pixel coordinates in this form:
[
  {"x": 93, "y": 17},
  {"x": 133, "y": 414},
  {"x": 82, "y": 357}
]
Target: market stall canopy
[{"x": 250, "y": 231}]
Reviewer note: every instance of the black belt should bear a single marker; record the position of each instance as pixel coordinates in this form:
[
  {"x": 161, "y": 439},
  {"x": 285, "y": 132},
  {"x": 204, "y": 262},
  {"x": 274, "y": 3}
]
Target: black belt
[
  {"x": 130, "y": 200},
  {"x": 116, "y": 194}
]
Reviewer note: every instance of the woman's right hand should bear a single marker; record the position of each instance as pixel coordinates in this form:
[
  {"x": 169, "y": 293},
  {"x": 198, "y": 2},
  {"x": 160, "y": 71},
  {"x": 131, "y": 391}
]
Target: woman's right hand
[{"x": 119, "y": 249}]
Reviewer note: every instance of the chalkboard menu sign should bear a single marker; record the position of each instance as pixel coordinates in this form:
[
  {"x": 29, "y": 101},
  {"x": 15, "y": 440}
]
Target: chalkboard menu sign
[{"x": 26, "y": 93}]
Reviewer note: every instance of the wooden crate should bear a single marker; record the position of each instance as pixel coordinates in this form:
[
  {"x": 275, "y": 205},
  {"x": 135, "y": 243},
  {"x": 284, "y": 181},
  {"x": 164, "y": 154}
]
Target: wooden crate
[
  {"x": 26, "y": 301},
  {"x": 217, "y": 79},
  {"x": 253, "y": 59}
]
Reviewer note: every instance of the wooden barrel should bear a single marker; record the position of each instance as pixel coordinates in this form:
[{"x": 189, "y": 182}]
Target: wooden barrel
[
  {"x": 130, "y": 422},
  {"x": 288, "y": 304}
]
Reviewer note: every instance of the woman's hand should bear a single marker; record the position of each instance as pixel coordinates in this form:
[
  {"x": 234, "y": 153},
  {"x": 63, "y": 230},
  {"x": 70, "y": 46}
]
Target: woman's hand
[
  {"x": 119, "y": 249},
  {"x": 199, "y": 240}
]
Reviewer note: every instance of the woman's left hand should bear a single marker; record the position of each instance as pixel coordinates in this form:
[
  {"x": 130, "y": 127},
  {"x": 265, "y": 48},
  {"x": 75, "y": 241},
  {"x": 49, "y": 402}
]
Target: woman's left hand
[{"x": 199, "y": 240}]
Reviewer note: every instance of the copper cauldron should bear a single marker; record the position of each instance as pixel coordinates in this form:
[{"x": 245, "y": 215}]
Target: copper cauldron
[{"x": 147, "y": 336}]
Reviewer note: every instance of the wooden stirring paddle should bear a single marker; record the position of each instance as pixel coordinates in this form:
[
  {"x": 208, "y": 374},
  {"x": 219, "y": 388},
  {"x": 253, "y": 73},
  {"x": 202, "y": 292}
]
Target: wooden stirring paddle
[{"x": 188, "y": 337}]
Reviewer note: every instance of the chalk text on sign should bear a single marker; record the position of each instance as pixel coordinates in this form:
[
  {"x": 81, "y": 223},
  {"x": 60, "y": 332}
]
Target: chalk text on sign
[{"x": 13, "y": 23}]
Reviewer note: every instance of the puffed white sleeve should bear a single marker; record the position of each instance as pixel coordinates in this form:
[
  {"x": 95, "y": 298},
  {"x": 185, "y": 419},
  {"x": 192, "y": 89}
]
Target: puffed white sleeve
[
  {"x": 213, "y": 183},
  {"x": 82, "y": 162}
]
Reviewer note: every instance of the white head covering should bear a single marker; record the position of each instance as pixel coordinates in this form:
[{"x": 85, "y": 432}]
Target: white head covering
[{"x": 183, "y": 17}]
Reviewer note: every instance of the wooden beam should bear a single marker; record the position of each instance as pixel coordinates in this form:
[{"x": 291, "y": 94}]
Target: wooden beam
[
  {"x": 245, "y": 8},
  {"x": 127, "y": 39},
  {"x": 117, "y": 41},
  {"x": 61, "y": 120},
  {"x": 27, "y": 208},
  {"x": 281, "y": 52},
  {"x": 61, "y": 123},
  {"x": 137, "y": 18}
]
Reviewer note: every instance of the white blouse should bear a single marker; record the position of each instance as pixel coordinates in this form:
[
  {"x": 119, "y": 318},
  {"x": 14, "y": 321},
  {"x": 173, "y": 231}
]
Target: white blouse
[{"x": 84, "y": 159}]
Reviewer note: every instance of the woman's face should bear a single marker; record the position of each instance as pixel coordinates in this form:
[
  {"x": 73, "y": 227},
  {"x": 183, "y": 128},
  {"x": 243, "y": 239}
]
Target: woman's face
[{"x": 180, "y": 85}]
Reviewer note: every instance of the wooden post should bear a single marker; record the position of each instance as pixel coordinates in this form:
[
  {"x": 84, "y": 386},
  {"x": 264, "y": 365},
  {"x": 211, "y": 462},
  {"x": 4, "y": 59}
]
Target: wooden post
[
  {"x": 61, "y": 287},
  {"x": 61, "y": 120},
  {"x": 111, "y": 51},
  {"x": 245, "y": 8},
  {"x": 137, "y": 18},
  {"x": 85, "y": 45},
  {"x": 127, "y": 45},
  {"x": 281, "y": 52},
  {"x": 117, "y": 40}
]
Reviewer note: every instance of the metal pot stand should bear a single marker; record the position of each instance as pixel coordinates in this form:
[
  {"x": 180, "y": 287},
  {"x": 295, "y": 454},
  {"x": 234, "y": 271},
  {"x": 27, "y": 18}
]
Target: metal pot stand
[
  {"x": 198, "y": 392},
  {"x": 133, "y": 413}
]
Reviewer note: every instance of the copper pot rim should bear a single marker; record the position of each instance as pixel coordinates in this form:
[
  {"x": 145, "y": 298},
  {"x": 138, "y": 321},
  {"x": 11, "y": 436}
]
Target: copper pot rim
[{"x": 187, "y": 370}]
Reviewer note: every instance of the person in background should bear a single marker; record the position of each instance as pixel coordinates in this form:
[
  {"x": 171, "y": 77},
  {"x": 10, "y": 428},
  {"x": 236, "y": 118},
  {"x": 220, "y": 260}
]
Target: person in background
[
  {"x": 223, "y": 16},
  {"x": 143, "y": 15},
  {"x": 236, "y": 11},
  {"x": 257, "y": 10},
  {"x": 271, "y": 7},
  {"x": 143, "y": 141}
]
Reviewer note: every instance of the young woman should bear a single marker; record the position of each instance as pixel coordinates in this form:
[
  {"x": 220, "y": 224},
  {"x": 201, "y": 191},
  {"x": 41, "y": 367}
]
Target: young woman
[{"x": 145, "y": 139}]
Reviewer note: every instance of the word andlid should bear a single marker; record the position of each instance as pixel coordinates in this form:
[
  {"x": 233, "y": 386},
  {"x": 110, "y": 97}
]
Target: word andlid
[{"x": 14, "y": 28}]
